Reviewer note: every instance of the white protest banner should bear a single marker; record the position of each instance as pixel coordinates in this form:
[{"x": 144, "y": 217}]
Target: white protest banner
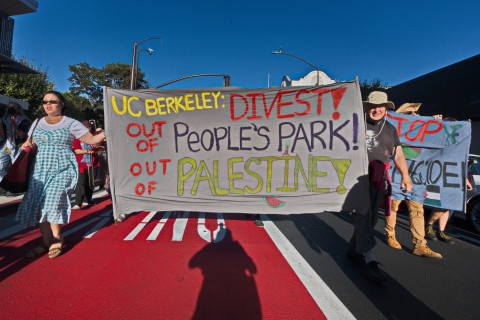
[{"x": 273, "y": 150}]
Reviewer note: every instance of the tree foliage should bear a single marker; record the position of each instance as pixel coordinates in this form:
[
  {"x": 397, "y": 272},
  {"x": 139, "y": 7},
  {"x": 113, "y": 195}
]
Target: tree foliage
[
  {"x": 84, "y": 82},
  {"x": 366, "y": 87},
  {"x": 27, "y": 87},
  {"x": 88, "y": 81},
  {"x": 117, "y": 75},
  {"x": 79, "y": 108}
]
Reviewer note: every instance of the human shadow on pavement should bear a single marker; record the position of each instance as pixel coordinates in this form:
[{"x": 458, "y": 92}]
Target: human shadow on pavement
[
  {"x": 229, "y": 290},
  {"x": 13, "y": 257},
  {"x": 321, "y": 237}
]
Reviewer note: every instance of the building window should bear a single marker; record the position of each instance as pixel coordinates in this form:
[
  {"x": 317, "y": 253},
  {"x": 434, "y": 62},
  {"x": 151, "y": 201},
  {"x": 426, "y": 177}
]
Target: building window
[{"x": 6, "y": 35}]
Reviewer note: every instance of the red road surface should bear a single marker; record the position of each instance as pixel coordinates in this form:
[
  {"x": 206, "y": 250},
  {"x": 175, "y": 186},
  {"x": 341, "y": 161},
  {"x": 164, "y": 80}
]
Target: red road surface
[{"x": 243, "y": 276}]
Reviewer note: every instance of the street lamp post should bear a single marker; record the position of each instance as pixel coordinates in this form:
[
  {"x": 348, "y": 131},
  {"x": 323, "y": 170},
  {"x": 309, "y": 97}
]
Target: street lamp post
[
  {"x": 291, "y": 55},
  {"x": 134, "y": 61},
  {"x": 226, "y": 79},
  {"x": 149, "y": 50}
]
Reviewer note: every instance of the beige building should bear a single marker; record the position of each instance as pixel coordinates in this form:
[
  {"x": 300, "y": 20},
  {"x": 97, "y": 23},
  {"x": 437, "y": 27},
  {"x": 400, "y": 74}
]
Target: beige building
[{"x": 311, "y": 79}]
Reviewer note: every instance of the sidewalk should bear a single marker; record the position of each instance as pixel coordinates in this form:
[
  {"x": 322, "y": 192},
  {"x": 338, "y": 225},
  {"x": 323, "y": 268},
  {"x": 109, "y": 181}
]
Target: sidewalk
[
  {"x": 6, "y": 201},
  {"x": 8, "y": 209}
]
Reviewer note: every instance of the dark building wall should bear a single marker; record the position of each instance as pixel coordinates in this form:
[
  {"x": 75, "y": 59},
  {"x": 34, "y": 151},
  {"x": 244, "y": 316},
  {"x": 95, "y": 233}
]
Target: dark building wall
[
  {"x": 453, "y": 91},
  {"x": 475, "y": 144}
]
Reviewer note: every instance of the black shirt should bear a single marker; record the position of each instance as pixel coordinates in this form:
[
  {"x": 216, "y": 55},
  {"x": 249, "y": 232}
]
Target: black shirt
[{"x": 382, "y": 138}]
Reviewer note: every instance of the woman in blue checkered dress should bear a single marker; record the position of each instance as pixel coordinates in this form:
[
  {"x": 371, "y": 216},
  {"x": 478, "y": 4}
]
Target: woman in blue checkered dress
[{"x": 47, "y": 202}]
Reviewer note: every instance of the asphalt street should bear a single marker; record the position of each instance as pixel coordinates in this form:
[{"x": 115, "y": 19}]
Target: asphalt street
[{"x": 416, "y": 288}]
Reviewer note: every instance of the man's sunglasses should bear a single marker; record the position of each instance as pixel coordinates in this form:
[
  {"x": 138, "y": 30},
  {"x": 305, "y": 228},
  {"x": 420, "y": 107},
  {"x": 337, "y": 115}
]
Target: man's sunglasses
[
  {"x": 411, "y": 113},
  {"x": 50, "y": 101}
]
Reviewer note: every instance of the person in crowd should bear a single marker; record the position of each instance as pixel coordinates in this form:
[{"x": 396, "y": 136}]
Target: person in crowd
[
  {"x": 382, "y": 145},
  {"x": 415, "y": 210},
  {"x": 103, "y": 164},
  {"x": 88, "y": 163},
  {"x": 442, "y": 215},
  {"x": 13, "y": 132},
  {"x": 55, "y": 173},
  {"x": 470, "y": 177}
]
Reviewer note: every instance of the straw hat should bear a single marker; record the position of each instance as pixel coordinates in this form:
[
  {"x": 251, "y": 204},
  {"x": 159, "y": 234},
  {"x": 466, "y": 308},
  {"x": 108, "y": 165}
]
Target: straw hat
[
  {"x": 378, "y": 98},
  {"x": 404, "y": 106}
]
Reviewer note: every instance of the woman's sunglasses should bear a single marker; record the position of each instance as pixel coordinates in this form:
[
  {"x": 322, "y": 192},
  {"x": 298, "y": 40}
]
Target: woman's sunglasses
[
  {"x": 50, "y": 101},
  {"x": 411, "y": 113}
]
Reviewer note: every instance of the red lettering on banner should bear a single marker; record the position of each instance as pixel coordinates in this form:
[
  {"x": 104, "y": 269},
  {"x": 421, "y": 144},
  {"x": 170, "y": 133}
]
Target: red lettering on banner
[
  {"x": 129, "y": 126},
  {"x": 159, "y": 125},
  {"x": 411, "y": 128},
  {"x": 426, "y": 131},
  {"x": 139, "y": 145},
  {"x": 283, "y": 104},
  {"x": 297, "y": 98},
  {"x": 399, "y": 123},
  {"x": 136, "y": 168},
  {"x": 139, "y": 189},
  {"x": 269, "y": 111},
  {"x": 319, "y": 104},
  {"x": 151, "y": 186},
  {"x": 422, "y": 132},
  {"x": 337, "y": 95},
  {"x": 154, "y": 168},
  {"x": 151, "y": 144},
  {"x": 147, "y": 135},
  {"x": 143, "y": 129},
  {"x": 164, "y": 162},
  {"x": 232, "y": 106},
  {"x": 132, "y": 167},
  {"x": 254, "y": 104},
  {"x": 148, "y": 145}
]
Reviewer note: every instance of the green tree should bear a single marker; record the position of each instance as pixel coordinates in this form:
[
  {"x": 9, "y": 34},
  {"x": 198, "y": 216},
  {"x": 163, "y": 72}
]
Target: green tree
[
  {"x": 27, "y": 87},
  {"x": 87, "y": 84},
  {"x": 79, "y": 108},
  {"x": 88, "y": 81},
  {"x": 117, "y": 76},
  {"x": 84, "y": 80},
  {"x": 366, "y": 87}
]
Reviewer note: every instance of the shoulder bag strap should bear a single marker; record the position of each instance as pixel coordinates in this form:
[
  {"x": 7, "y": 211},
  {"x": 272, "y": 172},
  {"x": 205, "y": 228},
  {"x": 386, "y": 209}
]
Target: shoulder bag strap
[{"x": 31, "y": 136}]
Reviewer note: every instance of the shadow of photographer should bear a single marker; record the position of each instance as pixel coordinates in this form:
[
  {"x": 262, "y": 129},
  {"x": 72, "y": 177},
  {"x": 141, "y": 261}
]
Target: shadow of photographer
[{"x": 228, "y": 290}]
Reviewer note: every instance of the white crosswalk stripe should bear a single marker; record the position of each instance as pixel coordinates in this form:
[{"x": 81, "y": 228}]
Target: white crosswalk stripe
[
  {"x": 156, "y": 231},
  {"x": 140, "y": 226}
]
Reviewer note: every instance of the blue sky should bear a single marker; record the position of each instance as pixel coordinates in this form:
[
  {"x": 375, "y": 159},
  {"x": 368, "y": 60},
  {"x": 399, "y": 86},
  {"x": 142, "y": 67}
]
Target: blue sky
[{"x": 392, "y": 40}]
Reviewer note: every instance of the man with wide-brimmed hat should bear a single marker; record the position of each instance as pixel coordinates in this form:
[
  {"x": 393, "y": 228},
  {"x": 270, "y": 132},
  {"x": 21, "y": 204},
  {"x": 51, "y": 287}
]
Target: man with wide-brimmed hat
[
  {"x": 383, "y": 144},
  {"x": 415, "y": 209}
]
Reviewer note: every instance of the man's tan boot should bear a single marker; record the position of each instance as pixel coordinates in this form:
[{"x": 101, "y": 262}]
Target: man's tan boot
[
  {"x": 392, "y": 242},
  {"x": 425, "y": 251}
]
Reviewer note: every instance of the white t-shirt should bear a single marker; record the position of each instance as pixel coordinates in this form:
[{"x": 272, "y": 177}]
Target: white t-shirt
[{"x": 77, "y": 128}]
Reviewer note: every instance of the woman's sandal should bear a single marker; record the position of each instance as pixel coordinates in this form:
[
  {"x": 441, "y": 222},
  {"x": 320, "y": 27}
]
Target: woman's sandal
[
  {"x": 56, "y": 248},
  {"x": 37, "y": 251},
  {"x": 121, "y": 218}
]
